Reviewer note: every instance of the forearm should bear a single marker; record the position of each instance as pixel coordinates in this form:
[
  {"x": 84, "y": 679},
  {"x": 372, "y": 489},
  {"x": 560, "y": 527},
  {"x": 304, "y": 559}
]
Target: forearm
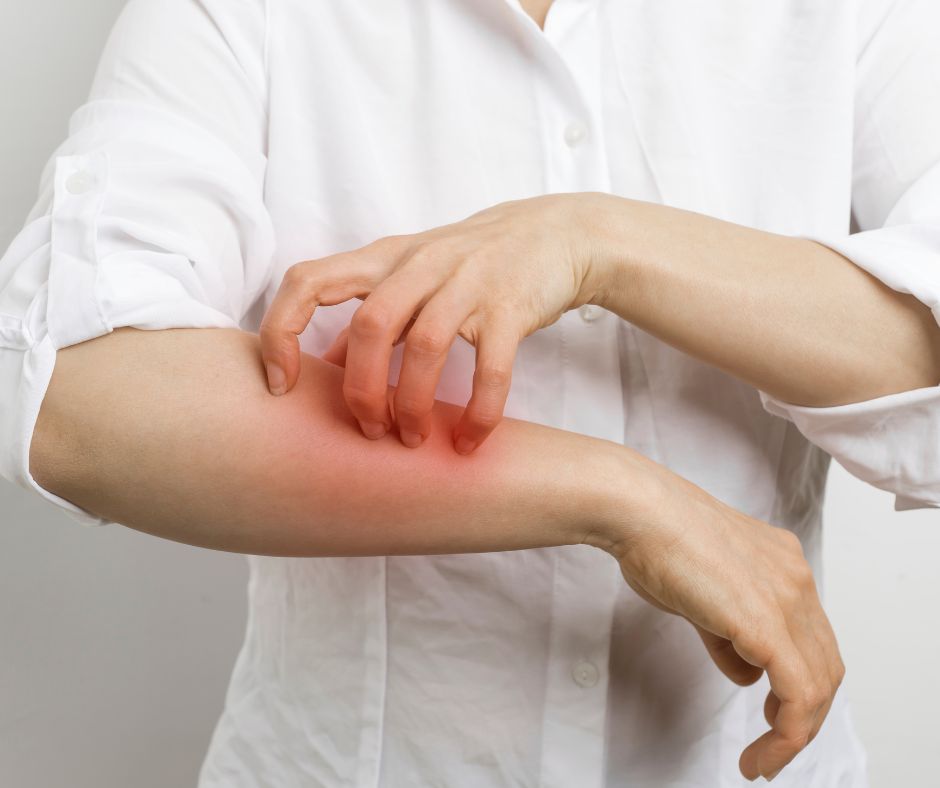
[
  {"x": 788, "y": 315},
  {"x": 174, "y": 433}
]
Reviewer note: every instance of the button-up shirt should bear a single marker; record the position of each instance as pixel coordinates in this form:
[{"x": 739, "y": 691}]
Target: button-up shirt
[{"x": 225, "y": 140}]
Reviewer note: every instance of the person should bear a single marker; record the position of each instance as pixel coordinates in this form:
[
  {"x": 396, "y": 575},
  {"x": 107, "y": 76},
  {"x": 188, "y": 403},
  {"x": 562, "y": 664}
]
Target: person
[{"x": 228, "y": 317}]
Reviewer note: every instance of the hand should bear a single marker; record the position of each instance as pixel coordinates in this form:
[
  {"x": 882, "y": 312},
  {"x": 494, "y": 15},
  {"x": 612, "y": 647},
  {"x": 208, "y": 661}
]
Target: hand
[
  {"x": 493, "y": 279},
  {"x": 748, "y": 590}
]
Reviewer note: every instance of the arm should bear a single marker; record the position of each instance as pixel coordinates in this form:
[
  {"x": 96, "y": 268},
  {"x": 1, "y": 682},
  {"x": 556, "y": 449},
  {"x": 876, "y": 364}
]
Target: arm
[
  {"x": 166, "y": 431},
  {"x": 794, "y": 318},
  {"x": 176, "y": 435},
  {"x": 841, "y": 335},
  {"x": 822, "y": 322},
  {"x": 787, "y": 315},
  {"x": 872, "y": 323}
]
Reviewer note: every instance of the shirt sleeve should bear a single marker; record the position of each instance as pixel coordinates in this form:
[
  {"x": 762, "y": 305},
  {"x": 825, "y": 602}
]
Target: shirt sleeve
[
  {"x": 151, "y": 213},
  {"x": 892, "y": 442}
]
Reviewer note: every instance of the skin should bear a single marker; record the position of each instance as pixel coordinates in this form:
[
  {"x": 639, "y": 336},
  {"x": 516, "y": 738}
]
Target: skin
[
  {"x": 766, "y": 308},
  {"x": 769, "y": 309},
  {"x": 537, "y": 9},
  {"x": 174, "y": 433},
  {"x": 228, "y": 467}
]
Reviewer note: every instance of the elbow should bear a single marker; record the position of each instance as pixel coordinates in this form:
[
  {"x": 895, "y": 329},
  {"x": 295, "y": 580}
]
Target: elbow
[{"x": 53, "y": 462}]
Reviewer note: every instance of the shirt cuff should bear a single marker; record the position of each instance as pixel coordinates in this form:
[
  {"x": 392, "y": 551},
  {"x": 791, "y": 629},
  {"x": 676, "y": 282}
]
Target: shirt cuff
[
  {"x": 27, "y": 370},
  {"x": 62, "y": 292},
  {"x": 891, "y": 442}
]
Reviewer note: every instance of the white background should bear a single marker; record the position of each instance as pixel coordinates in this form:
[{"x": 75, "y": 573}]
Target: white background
[{"x": 115, "y": 647}]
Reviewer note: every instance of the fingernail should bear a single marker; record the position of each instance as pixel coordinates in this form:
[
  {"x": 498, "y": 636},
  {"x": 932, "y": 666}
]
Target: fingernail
[
  {"x": 277, "y": 380},
  {"x": 772, "y": 775},
  {"x": 373, "y": 429},
  {"x": 411, "y": 439},
  {"x": 464, "y": 445}
]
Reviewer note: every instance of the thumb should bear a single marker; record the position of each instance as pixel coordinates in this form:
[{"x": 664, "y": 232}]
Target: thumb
[{"x": 729, "y": 662}]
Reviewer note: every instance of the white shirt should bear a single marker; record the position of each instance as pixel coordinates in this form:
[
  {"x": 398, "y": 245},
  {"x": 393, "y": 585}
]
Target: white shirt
[{"x": 225, "y": 140}]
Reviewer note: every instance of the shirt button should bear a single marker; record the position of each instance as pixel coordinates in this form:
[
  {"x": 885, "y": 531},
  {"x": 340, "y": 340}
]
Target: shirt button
[
  {"x": 589, "y": 312},
  {"x": 575, "y": 132},
  {"x": 80, "y": 182},
  {"x": 585, "y": 673}
]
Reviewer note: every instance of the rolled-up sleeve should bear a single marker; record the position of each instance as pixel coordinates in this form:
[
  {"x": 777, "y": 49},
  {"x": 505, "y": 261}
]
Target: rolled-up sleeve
[
  {"x": 892, "y": 442},
  {"x": 151, "y": 213}
]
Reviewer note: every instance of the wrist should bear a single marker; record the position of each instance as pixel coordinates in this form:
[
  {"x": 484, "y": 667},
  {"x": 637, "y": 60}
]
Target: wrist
[
  {"x": 612, "y": 235},
  {"x": 622, "y": 490}
]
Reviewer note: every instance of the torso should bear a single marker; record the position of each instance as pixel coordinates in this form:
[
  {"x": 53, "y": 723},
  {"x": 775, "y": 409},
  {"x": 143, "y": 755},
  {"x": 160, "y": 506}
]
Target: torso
[{"x": 459, "y": 669}]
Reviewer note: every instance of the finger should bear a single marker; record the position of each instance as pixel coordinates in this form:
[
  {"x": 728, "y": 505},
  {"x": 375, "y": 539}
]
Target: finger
[
  {"x": 827, "y": 639},
  {"x": 830, "y": 645},
  {"x": 372, "y": 334},
  {"x": 828, "y": 668},
  {"x": 729, "y": 662},
  {"x": 836, "y": 668},
  {"x": 404, "y": 334},
  {"x": 800, "y": 699},
  {"x": 771, "y": 707},
  {"x": 810, "y": 644},
  {"x": 307, "y": 285},
  {"x": 426, "y": 347},
  {"x": 811, "y": 633},
  {"x": 336, "y": 353},
  {"x": 496, "y": 351}
]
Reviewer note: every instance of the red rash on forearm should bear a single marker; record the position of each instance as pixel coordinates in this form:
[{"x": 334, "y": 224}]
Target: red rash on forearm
[{"x": 174, "y": 433}]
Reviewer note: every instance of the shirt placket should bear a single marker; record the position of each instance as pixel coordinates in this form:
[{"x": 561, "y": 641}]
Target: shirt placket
[{"x": 586, "y": 581}]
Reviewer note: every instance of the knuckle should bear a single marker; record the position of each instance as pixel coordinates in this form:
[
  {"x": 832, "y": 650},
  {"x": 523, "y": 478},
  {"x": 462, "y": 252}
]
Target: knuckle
[
  {"x": 424, "y": 252},
  {"x": 297, "y": 274},
  {"x": 268, "y": 330},
  {"x": 803, "y": 574},
  {"x": 758, "y": 644},
  {"x": 412, "y": 407},
  {"x": 791, "y": 542},
  {"x": 493, "y": 377},
  {"x": 797, "y": 740},
  {"x": 483, "y": 419},
  {"x": 747, "y": 630},
  {"x": 839, "y": 673},
  {"x": 387, "y": 243},
  {"x": 371, "y": 320},
  {"x": 358, "y": 397},
  {"x": 814, "y": 696},
  {"x": 427, "y": 341}
]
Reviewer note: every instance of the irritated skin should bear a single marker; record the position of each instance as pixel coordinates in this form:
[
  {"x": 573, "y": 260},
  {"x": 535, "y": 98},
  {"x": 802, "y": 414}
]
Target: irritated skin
[
  {"x": 176, "y": 434},
  {"x": 787, "y": 315}
]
